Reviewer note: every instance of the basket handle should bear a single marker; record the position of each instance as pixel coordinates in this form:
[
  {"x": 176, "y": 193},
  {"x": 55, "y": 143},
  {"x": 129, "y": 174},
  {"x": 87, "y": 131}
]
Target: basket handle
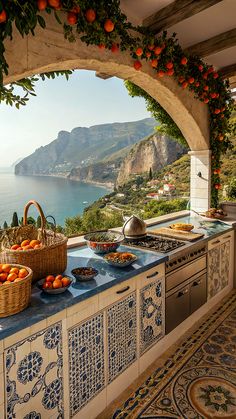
[{"x": 25, "y": 216}]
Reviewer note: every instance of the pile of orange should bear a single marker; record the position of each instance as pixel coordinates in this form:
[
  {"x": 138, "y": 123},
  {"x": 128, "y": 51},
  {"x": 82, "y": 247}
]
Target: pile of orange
[
  {"x": 9, "y": 274},
  {"x": 58, "y": 281},
  {"x": 27, "y": 245}
]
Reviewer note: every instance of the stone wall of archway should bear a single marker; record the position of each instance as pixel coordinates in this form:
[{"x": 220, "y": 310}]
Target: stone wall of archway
[{"x": 48, "y": 51}]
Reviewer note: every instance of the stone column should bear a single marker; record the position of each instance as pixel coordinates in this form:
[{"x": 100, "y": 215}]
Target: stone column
[{"x": 200, "y": 180}]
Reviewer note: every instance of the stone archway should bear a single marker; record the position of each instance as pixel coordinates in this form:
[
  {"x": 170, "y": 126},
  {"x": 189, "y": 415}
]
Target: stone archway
[{"x": 48, "y": 51}]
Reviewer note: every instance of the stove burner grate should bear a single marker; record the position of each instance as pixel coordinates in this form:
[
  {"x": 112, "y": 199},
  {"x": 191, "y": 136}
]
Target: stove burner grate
[{"x": 157, "y": 243}]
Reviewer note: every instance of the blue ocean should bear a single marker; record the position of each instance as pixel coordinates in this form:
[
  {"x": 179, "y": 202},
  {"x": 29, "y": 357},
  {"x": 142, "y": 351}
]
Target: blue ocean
[{"x": 58, "y": 196}]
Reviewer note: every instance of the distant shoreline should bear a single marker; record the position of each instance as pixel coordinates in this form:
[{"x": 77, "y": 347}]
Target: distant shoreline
[{"x": 108, "y": 185}]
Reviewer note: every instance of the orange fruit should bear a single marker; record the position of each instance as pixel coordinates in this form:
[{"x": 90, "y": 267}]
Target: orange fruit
[
  {"x": 65, "y": 281},
  {"x": 42, "y": 4},
  {"x": 3, "y": 16},
  {"x": 6, "y": 267},
  {"x": 57, "y": 283},
  {"x": 59, "y": 277},
  {"x": 0, "y": 267},
  {"x": 72, "y": 18},
  {"x": 47, "y": 285},
  {"x": 34, "y": 242},
  {"x": 20, "y": 248},
  {"x": 109, "y": 27},
  {"x": 28, "y": 247},
  {"x": 90, "y": 15},
  {"x": 23, "y": 273},
  {"x": 54, "y": 3},
  {"x": 25, "y": 243},
  {"x": 18, "y": 279},
  {"x": 50, "y": 278},
  {"x": 14, "y": 271},
  {"x": 37, "y": 246},
  {"x": 3, "y": 276},
  {"x": 11, "y": 277},
  {"x": 15, "y": 247}
]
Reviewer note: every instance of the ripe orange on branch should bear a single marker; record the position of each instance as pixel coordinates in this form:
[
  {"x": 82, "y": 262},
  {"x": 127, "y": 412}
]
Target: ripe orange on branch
[
  {"x": 3, "y": 16},
  {"x": 139, "y": 52},
  {"x": 72, "y": 18},
  {"x": 42, "y": 4},
  {"x": 54, "y": 3},
  {"x": 109, "y": 25},
  {"x": 90, "y": 15}
]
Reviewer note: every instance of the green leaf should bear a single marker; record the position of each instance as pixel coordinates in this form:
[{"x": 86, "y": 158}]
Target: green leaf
[{"x": 41, "y": 21}]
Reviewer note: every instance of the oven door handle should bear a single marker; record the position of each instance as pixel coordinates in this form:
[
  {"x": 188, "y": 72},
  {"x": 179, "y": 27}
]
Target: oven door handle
[
  {"x": 182, "y": 293},
  {"x": 196, "y": 283}
]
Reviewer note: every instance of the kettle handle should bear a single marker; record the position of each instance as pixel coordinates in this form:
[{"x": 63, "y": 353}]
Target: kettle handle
[{"x": 123, "y": 228}]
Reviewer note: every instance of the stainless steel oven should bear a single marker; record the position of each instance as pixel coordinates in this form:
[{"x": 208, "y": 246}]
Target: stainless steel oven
[{"x": 186, "y": 285}]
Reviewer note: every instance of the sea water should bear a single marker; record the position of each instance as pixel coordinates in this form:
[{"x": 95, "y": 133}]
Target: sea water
[{"x": 59, "y": 197}]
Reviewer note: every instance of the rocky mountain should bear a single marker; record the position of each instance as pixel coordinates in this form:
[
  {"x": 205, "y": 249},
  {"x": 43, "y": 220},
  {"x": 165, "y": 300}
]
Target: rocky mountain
[
  {"x": 99, "y": 173},
  {"x": 154, "y": 152},
  {"x": 83, "y": 146}
]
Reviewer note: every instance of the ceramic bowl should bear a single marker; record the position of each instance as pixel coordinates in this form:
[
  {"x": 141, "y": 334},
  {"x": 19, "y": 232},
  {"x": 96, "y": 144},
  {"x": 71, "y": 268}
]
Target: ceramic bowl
[
  {"x": 53, "y": 290},
  {"x": 80, "y": 276}
]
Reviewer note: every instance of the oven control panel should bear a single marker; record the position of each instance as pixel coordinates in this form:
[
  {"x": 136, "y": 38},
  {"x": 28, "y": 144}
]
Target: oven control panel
[{"x": 184, "y": 258}]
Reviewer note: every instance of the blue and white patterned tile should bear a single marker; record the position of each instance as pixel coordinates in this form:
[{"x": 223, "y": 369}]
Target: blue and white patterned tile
[
  {"x": 86, "y": 361},
  {"x": 151, "y": 314},
  {"x": 33, "y": 384},
  {"x": 122, "y": 336}
]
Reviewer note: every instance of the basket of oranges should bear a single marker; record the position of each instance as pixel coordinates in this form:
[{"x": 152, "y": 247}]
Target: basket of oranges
[
  {"x": 41, "y": 249},
  {"x": 15, "y": 288}
]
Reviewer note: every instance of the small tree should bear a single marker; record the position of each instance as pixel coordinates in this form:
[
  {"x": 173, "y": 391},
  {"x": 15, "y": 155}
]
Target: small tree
[
  {"x": 150, "y": 174},
  {"x": 15, "y": 221},
  {"x": 5, "y": 225}
]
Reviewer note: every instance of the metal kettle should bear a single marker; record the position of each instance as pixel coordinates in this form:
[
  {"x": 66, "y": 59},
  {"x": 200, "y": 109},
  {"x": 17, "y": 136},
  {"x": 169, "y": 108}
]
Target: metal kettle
[{"x": 134, "y": 228}]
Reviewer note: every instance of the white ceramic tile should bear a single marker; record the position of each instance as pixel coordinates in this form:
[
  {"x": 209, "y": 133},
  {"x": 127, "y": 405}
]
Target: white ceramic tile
[
  {"x": 66, "y": 384},
  {"x": 56, "y": 317},
  {"x": 93, "y": 409},
  {"x": 38, "y": 326},
  {"x": 2, "y": 385},
  {"x": 1, "y": 365},
  {"x": 84, "y": 311},
  {"x": 77, "y": 308},
  {"x": 11, "y": 340},
  {"x": 122, "y": 382},
  {"x": 2, "y": 411},
  {"x": 1, "y": 346}
]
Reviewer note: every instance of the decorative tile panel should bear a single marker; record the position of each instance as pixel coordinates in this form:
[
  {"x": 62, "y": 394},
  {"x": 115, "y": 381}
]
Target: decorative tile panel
[
  {"x": 152, "y": 314},
  {"x": 86, "y": 362},
  {"x": 225, "y": 263},
  {"x": 122, "y": 335},
  {"x": 33, "y": 376},
  {"x": 213, "y": 271}
]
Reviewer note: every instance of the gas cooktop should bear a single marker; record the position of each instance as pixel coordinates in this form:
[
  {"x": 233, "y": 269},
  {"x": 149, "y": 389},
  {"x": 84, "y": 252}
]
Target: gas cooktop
[{"x": 156, "y": 243}]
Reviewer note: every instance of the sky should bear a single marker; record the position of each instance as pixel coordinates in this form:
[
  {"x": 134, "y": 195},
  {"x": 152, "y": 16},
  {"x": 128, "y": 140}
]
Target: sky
[{"x": 84, "y": 100}]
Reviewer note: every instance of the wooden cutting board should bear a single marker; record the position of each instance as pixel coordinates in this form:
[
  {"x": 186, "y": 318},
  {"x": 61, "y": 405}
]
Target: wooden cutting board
[{"x": 177, "y": 234}]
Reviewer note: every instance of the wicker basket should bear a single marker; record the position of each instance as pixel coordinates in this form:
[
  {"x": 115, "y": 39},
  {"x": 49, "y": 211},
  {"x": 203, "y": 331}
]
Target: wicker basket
[
  {"x": 15, "y": 297},
  {"x": 52, "y": 257}
]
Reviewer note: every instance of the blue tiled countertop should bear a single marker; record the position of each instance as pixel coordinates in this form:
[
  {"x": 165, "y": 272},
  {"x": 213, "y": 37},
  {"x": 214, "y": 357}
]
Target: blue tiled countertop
[{"x": 45, "y": 305}]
